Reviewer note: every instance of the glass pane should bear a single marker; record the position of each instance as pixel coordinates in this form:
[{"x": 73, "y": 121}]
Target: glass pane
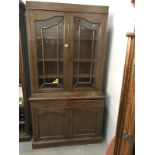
[
  {"x": 49, "y": 41},
  {"x": 85, "y": 47}
]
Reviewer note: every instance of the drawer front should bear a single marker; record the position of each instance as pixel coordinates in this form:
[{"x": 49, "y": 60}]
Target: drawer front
[
  {"x": 85, "y": 103},
  {"x": 50, "y": 119},
  {"x": 49, "y": 104}
]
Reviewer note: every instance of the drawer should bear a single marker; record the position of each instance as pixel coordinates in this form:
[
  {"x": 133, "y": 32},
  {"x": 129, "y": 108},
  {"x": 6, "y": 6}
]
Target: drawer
[
  {"x": 49, "y": 104},
  {"x": 85, "y": 103}
]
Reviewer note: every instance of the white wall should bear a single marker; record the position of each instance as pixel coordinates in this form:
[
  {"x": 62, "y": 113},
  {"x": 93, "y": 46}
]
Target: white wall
[{"x": 121, "y": 15}]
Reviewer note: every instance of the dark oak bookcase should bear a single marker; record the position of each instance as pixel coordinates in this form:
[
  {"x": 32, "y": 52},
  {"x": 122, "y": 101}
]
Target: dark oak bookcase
[{"x": 66, "y": 55}]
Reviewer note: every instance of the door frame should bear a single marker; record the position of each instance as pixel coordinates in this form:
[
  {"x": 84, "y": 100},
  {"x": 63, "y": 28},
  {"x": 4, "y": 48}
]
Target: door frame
[{"x": 128, "y": 74}]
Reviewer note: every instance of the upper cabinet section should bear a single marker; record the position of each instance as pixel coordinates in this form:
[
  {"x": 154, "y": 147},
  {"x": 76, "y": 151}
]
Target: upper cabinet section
[{"x": 66, "y": 46}]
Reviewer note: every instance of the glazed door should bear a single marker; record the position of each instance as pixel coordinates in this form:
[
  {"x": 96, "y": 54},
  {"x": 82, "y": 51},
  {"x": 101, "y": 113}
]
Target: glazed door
[
  {"x": 86, "y": 49},
  {"x": 47, "y": 50}
]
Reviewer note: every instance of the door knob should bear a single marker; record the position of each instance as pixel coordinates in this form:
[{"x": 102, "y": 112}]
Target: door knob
[{"x": 66, "y": 45}]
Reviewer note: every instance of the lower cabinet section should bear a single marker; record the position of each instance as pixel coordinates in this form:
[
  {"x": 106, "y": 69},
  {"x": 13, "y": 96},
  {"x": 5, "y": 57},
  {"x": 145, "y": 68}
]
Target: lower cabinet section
[{"x": 59, "y": 122}]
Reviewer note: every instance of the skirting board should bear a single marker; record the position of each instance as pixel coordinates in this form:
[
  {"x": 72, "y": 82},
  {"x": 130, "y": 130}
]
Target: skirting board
[{"x": 55, "y": 143}]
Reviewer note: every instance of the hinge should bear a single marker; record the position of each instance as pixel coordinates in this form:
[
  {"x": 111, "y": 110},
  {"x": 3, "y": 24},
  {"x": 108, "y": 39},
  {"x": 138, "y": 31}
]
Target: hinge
[
  {"x": 128, "y": 137},
  {"x": 133, "y": 70}
]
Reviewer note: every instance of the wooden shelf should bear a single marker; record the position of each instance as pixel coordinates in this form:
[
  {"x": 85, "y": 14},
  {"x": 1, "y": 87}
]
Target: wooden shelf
[
  {"x": 84, "y": 60},
  {"x": 47, "y": 37},
  {"x": 50, "y": 76},
  {"x": 61, "y": 60},
  {"x": 75, "y": 39},
  {"x": 83, "y": 76},
  {"x": 84, "y": 39},
  {"x": 50, "y": 60}
]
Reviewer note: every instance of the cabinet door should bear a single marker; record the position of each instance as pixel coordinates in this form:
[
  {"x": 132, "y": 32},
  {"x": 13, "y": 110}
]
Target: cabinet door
[
  {"x": 49, "y": 121},
  {"x": 86, "y": 118},
  {"x": 47, "y": 37},
  {"x": 86, "y": 41}
]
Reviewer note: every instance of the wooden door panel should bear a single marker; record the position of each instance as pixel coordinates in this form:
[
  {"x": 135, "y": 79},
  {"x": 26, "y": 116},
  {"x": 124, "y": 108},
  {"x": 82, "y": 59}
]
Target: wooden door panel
[
  {"x": 50, "y": 124},
  {"x": 84, "y": 122},
  {"x": 86, "y": 117}
]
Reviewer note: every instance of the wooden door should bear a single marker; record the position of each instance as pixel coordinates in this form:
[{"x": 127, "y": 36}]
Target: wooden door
[
  {"x": 86, "y": 50},
  {"x": 47, "y": 36},
  {"x": 126, "y": 119},
  {"x": 50, "y": 120},
  {"x": 50, "y": 123},
  {"x": 86, "y": 118}
]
